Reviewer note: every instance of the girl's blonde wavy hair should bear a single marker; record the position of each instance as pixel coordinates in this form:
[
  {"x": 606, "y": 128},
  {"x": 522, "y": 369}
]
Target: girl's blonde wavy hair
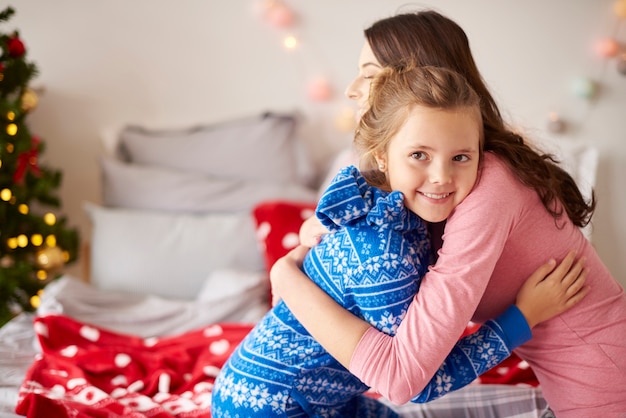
[{"x": 394, "y": 93}]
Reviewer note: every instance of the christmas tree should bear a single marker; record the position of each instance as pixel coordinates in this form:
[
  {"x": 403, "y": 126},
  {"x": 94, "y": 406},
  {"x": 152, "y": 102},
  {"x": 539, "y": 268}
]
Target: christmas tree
[{"x": 35, "y": 243}]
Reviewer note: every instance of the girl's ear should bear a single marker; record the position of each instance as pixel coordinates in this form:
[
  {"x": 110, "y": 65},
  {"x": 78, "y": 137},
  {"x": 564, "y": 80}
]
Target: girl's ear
[{"x": 381, "y": 161}]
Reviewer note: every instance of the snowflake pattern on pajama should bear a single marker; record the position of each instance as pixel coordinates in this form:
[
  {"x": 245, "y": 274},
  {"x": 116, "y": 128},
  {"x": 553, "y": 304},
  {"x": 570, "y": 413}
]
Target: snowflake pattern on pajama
[{"x": 371, "y": 263}]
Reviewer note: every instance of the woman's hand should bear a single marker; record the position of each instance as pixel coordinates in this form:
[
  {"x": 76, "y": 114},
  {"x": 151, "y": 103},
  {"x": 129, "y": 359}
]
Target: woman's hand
[
  {"x": 311, "y": 232},
  {"x": 552, "y": 289}
]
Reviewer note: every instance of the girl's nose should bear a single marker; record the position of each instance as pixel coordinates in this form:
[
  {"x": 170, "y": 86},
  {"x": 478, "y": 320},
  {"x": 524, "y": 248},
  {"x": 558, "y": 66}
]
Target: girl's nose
[{"x": 440, "y": 173}]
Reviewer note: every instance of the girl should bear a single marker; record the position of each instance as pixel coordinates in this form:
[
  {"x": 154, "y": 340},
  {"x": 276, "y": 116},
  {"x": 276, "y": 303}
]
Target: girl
[
  {"x": 374, "y": 261},
  {"x": 522, "y": 208}
]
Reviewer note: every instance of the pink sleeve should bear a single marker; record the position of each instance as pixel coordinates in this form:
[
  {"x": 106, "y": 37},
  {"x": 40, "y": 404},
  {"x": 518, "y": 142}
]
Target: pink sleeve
[{"x": 399, "y": 367}]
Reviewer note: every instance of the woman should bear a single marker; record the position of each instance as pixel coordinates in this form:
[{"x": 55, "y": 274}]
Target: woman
[
  {"x": 374, "y": 260},
  {"x": 522, "y": 209}
]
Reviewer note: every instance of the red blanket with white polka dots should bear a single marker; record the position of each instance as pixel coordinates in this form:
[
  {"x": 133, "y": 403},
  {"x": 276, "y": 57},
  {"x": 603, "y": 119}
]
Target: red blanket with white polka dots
[{"x": 86, "y": 371}]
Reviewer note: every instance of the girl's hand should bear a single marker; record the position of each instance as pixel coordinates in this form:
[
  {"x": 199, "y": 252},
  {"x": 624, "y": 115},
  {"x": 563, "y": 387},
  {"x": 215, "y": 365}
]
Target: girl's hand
[
  {"x": 311, "y": 232},
  {"x": 286, "y": 269},
  {"x": 552, "y": 290}
]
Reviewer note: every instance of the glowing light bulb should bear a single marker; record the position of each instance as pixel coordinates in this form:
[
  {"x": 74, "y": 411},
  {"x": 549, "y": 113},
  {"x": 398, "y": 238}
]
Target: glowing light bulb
[
  {"x": 51, "y": 241},
  {"x": 22, "y": 240},
  {"x": 35, "y": 301},
  {"x": 43, "y": 259},
  {"x": 42, "y": 275},
  {"x": 11, "y": 129},
  {"x": 5, "y": 194},
  {"x": 23, "y": 209},
  {"x": 290, "y": 42},
  {"x": 36, "y": 239},
  {"x": 12, "y": 243},
  {"x": 11, "y": 115},
  {"x": 49, "y": 218}
]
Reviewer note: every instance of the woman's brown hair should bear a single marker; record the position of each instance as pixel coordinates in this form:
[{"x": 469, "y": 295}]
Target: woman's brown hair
[
  {"x": 427, "y": 38},
  {"x": 394, "y": 93}
]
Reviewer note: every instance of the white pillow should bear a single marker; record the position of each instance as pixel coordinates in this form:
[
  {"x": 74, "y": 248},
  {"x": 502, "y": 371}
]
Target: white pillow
[
  {"x": 169, "y": 255},
  {"x": 147, "y": 187},
  {"x": 260, "y": 148}
]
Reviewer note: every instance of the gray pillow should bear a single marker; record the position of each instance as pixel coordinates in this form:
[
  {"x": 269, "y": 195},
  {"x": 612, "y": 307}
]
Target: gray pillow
[
  {"x": 259, "y": 148},
  {"x": 165, "y": 254},
  {"x": 147, "y": 187}
]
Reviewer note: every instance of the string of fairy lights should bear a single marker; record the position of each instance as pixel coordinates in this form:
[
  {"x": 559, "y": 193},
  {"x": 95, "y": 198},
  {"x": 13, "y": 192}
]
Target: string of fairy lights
[
  {"x": 33, "y": 245},
  {"x": 612, "y": 52},
  {"x": 49, "y": 256},
  {"x": 278, "y": 14}
]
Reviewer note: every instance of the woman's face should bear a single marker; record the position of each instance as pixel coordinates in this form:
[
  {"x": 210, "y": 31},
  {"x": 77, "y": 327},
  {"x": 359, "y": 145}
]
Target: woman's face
[
  {"x": 433, "y": 160},
  {"x": 359, "y": 89}
]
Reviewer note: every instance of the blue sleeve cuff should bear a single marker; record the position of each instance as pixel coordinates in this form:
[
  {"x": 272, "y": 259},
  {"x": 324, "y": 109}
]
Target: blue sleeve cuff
[{"x": 514, "y": 326}]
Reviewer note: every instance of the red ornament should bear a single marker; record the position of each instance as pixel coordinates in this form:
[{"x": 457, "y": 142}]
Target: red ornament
[
  {"x": 16, "y": 47},
  {"x": 27, "y": 160}
]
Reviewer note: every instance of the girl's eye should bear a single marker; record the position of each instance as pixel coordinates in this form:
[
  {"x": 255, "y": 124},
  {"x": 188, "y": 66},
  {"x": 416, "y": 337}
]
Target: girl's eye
[
  {"x": 461, "y": 158},
  {"x": 419, "y": 155}
]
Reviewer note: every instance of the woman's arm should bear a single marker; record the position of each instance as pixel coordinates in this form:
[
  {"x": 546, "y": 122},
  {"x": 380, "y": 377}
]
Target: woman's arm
[
  {"x": 494, "y": 341},
  {"x": 339, "y": 331}
]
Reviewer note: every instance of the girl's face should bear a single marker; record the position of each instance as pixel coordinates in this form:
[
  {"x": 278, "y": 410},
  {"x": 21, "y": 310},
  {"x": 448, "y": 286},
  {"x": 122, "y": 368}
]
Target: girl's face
[
  {"x": 359, "y": 89},
  {"x": 433, "y": 160}
]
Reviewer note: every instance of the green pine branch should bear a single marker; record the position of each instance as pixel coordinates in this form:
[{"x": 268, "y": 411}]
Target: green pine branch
[{"x": 30, "y": 190}]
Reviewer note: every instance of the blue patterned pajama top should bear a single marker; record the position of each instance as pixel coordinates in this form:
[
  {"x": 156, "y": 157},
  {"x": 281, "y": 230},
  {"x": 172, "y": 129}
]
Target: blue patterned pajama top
[{"x": 371, "y": 263}]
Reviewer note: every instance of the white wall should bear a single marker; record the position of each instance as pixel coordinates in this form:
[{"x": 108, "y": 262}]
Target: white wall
[{"x": 176, "y": 62}]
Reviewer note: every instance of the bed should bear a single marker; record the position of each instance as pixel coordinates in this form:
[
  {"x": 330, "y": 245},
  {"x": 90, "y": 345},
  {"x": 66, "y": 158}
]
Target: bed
[{"x": 189, "y": 223}]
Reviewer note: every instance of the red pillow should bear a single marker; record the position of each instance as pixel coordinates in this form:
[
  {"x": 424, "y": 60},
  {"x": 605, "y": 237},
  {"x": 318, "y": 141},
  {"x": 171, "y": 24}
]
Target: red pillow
[{"x": 278, "y": 225}]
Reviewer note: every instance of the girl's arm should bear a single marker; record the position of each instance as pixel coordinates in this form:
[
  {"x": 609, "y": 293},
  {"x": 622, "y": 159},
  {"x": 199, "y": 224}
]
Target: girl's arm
[
  {"x": 315, "y": 309},
  {"x": 339, "y": 331}
]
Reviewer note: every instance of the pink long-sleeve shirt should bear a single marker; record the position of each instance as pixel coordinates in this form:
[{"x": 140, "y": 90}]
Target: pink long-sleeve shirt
[{"x": 494, "y": 241}]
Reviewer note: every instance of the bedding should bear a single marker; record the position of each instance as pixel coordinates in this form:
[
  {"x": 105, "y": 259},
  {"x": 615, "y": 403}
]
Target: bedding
[
  {"x": 191, "y": 220},
  {"x": 98, "y": 360},
  {"x": 134, "y": 186},
  {"x": 261, "y": 147},
  {"x": 168, "y": 253},
  {"x": 91, "y": 371}
]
